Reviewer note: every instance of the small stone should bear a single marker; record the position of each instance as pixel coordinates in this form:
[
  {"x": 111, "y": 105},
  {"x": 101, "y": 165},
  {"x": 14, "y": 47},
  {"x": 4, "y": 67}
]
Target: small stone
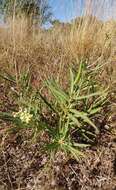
[
  {"x": 53, "y": 183},
  {"x": 106, "y": 127}
]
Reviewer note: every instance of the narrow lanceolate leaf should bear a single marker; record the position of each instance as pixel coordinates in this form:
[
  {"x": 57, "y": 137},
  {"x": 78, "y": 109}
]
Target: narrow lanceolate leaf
[
  {"x": 77, "y": 113},
  {"x": 71, "y": 81},
  {"x": 81, "y": 145},
  {"x": 6, "y": 116},
  {"x": 59, "y": 94},
  {"x": 88, "y": 96},
  {"x": 90, "y": 133},
  {"x": 94, "y": 111},
  {"x": 100, "y": 101},
  {"x": 77, "y": 79},
  {"x": 85, "y": 118},
  {"x": 46, "y": 102},
  {"x": 75, "y": 152},
  {"x": 74, "y": 120}
]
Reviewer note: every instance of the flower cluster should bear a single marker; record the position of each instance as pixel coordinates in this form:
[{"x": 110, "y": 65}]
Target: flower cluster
[{"x": 24, "y": 115}]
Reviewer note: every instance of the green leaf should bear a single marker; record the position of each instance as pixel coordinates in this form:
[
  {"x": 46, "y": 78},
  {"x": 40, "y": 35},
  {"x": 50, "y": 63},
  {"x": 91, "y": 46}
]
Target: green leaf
[
  {"x": 94, "y": 111},
  {"x": 88, "y": 96},
  {"x": 75, "y": 120},
  {"x": 90, "y": 133},
  {"x": 52, "y": 146},
  {"x": 81, "y": 145},
  {"x": 77, "y": 113},
  {"x": 77, "y": 79},
  {"x": 100, "y": 101},
  {"x": 86, "y": 119},
  {"x": 71, "y": 81},
  {"x": 59, "y": 94},
  {"x": 46, "y": 102},
  {"x": 6, "y": 116},
  {"x": 75, "y": 152}
]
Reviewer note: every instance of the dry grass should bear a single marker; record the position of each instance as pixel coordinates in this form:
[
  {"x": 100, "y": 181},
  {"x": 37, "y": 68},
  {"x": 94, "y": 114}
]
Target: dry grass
[{"x": 48, "y": 52}]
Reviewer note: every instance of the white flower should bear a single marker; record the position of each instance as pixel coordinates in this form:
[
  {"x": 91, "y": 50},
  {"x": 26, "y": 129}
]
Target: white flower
[{"x": 24, "y": 116}]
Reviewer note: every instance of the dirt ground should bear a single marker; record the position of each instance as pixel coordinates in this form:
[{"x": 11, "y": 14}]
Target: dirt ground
[{"x": 23, "y": 166}]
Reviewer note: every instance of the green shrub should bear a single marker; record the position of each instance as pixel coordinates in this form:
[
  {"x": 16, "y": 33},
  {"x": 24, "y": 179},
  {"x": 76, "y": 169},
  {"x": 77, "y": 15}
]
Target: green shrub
[{"x": 75, "y": 110}]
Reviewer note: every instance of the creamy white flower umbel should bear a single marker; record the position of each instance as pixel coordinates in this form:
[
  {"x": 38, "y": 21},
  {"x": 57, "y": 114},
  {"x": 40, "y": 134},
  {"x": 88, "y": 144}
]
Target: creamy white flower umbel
[{"x": 24, "y": 115}]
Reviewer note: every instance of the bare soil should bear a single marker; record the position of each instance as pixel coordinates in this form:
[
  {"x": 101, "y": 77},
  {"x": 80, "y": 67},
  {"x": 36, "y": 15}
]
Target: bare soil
[{"x": 23, "y": 166}]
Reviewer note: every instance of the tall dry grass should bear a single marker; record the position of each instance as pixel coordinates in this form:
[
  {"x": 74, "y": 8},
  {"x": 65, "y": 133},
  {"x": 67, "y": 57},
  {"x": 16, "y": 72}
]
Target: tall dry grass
[{"x": 50, "y": 52}]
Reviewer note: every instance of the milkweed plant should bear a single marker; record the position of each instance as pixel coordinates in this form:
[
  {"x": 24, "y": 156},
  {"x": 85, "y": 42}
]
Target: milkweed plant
[{"x": 74, "y": 110}]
